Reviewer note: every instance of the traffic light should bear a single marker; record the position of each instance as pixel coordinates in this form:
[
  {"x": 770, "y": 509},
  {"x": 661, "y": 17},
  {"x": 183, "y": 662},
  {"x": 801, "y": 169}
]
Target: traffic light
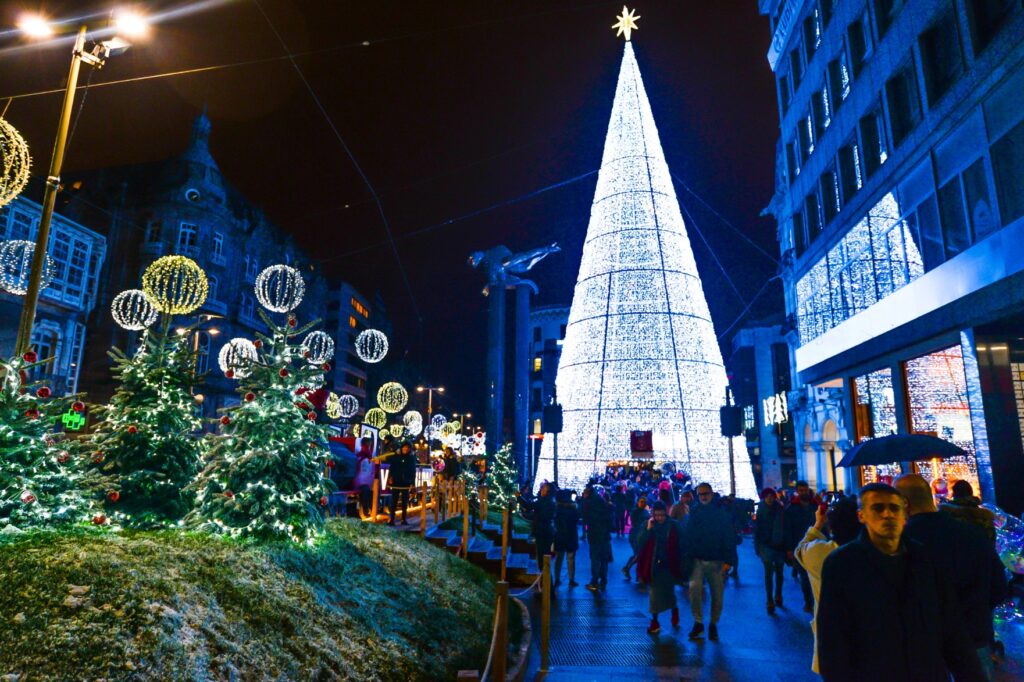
[{"x": 732, "y": 420}]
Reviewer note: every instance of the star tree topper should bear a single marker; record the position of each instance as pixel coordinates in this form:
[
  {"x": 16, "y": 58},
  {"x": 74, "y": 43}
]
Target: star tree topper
[{"x": 626, "y": 22}]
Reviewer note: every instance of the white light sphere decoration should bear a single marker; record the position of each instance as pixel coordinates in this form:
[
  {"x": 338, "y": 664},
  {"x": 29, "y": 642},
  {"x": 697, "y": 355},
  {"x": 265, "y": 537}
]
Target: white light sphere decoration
[
  {"x": 438, "y": 420},
  {"x": 333, "y": 406},
  {"x": 320, "y": 347},
  {"x": 430, "y": 432},
  {"x": 133, "y": 311},
  {"x": 280, "y": 288},
  {"x": 349, "y": 405},
  {"x": 371, "y": 345},
  {"x": 376, "y": 417},
  {"x": 414, "y": 429},
  {"x": 392, "y": 397},
  {"x": 412, "y": 417},
  {"x": 237, "y": 355},
  {"x": 449, "y": 429},
  {"x": 16, "y": 265}
]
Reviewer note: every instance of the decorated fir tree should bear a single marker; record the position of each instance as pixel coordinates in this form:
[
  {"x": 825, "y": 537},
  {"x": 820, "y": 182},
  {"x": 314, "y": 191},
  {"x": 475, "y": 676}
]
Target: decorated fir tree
[
  {"x": 147, "y": 448},
  {"x": 265, "y": 477},
  {"x": 501, "y": 478},
  {"x": 38, "y": 482}
]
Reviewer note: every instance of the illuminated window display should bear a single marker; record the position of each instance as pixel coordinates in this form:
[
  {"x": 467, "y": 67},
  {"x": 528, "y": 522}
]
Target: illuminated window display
[{"x": 875, "y": 410}]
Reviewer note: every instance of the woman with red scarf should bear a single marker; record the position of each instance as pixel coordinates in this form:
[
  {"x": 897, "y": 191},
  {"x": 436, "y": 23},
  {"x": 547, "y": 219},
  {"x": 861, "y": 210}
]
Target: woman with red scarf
[{"x": 660, "y": 564}]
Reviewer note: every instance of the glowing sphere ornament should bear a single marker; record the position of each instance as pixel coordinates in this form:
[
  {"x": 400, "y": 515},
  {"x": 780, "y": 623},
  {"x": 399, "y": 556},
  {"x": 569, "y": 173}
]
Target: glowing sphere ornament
[
  {"x": 414, "y": 429},
  {"x": 333, "y": 406},
  {"x": 15, "y": 162},
  {"x": 237, "y": 356},
  {"x": 376, "y": 417},
  {"x": 175, "y": 285},
  {"x": 320, "y": 347},
  {"x": 431, "y": 433},
  {"x": 392, "y": 397},
  {"x": 412, "y": 417},
  {"x": 438, "y": 420},
  {"x": 449, "y": 429},
  {"x": 348, "y": 405},
  {"x": 280, "y": 288},
  {"x": 16, "y": 264},
  {"x": 133, "y": 311},
  {"x": 396, "y": 430},
  {"x": 371, "y": 345}
]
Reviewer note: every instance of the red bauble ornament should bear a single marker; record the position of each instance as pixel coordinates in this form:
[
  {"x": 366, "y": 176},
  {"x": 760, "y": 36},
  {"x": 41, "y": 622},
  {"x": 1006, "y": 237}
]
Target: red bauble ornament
[
  {"x": 78, "y": 406},
  {"x": 283, "y": 373},
  {"x": 327, "y": 367},
  {"x": 306, "y": 354},
  {"x": 99, "y": 519},
  {"x": 225, "y": 420},
  {"x": 22, "y": 390},
  {"x": 113, "y": 496},
  {"x": 32, "y": 414},
  {"x": 97, "y": 457},
  {"x": 257, "y": 343},
  {"x": 63, "y": 456},
  {"x": 249, "y": 397},
  {"x": 23, "y": 375},
  {"x": 27, "y": 497},
  {"x": 30, "y": 356},
  {"x": 291, "y": 321},
  {"x": 43, "y": 392},
  {"x": 301, "y": 389},
  {"x": 311, "y": 416},
  {"x": 330, "y": 463},
  {"x": 132, "y": 428},
  {"x": 228, "y": 494},
  {"x": 323, "y": 501},
  {"x": 230, "y": 374}
]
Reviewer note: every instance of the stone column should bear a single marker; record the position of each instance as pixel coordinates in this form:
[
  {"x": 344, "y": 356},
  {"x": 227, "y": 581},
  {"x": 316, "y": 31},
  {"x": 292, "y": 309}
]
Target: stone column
[
  {"x": 520, "y": 428},
  {"x": 495, "y": 364}
]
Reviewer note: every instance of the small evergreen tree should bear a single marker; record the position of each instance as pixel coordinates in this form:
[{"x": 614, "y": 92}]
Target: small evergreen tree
[
  {"x": 147, "y": 449},
  {"x": 502, "y": 478},
  {"x": 265, "y": 477},
  {"x": 38, "y": 481}
]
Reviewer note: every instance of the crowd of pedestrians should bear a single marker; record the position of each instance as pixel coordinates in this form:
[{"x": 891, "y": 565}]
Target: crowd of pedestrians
[{"x": 899, "y": 588}]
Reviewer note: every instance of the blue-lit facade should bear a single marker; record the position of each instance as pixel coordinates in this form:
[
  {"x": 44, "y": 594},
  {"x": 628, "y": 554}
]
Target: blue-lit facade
[
  {"x": 67, "y": 305},
  {"x": 900, "y": 208}
]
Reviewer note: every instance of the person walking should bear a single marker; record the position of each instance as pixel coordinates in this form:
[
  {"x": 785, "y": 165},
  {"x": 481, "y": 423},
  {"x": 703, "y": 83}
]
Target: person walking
[
  {"x": 886, "y": 612},
  {"x": 583, "y": 502},
  {"x": 452, "y": 466},
  {"x": 841, "y": 519},
  {"x": 619, "y": 509},
  {"x": 567, "y": 517},
  {"x": 660, "y": 564},
  {"x": 799, "y": 517},
  {"x": 599, "y": 538},
  {"x": 966, "y": 507},
  {"x": 709, "y": 538},
  {"x": 541, "y": 511},
  {"x": 403, "y": 477},
  {"x": 637, "y": 524},
  {"x": 962, "y": 552},
  {"x": 770, "y": 545}
]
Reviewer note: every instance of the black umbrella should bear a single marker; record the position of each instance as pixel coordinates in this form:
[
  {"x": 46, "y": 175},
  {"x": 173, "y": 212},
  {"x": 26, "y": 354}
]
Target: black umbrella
[{"x": 899, "y": 448}]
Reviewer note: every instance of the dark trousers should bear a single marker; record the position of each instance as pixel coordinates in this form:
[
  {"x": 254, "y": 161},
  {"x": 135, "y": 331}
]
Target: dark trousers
[
  {"x": 772, "y": 568},
  {"x": 395, "y": 494},
  {"x": 599, "y": 553},
  {"x": 365, "y": 498},
  {"x": 619, "y": 519},
  {"x": 805, "y": 584}
]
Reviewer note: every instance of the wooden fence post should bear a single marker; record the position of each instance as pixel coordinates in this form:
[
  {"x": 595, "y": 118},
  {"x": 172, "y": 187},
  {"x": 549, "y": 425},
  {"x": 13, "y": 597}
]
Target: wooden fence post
[
  {"x": 501, "y": 641},
  {"x": 423, "y": 509},
  {"x": 504, "y": 542},
  {"x": 376, "y": 501}
]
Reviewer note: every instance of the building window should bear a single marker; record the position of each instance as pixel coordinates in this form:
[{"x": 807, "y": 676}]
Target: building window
[
  {"x": 885, "y": 13},
  {"x": 872, "y": 136},
  {"x": 812, "y": 214},
  {"x": 796, "y": 67},
  {"x": 784, "y": 94},
  {"x": 812, "y": 33},
  {"x": 941, "y": 56},
  {"x": 826, "y": 7},
  {"x": 153, "y": 228},
  {"x": 806, "y": 133},
  {"x": 792, "y": 161},
  {"x": 248, "y": 310},
  {"x": 536, "y": 334},
  {"x": 188, "y": 237},
  {"x": 537, "y": 363},
  {"x": 218, "y": 245},
  {"x": 799, "y": 235},
  {"x": 987, "y": 18},
  {"x": 859, "y": 40},
  {"x": 838, "y": 81},
  {"x": 822, "y": 112},
  {"x": 252, "y": 267},
  {"x": 352, "y": 322},
  {"x": 830, "y": 202},
  {"x": 965, "y": 209},
  {"x": 74, "y": 368},
  {"x": 904, "y": 105},
  {"x": 537, "y": 427},
  {"x": 45, "y": 342},
  {"x": 535, "y": 398},
  {"x": 850, "y": 173},
  {"x": 203, "y": 353},
  {"x": 1008, "y": 170},
  {"x": 875, "y": 416},
  {"x": 360, "y": 308},
  {"x": 212, "y": 285}
]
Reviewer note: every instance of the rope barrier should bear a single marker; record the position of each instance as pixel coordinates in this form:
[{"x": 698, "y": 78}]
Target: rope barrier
[
  {"x": 527, "y": 590},
  {"x": 494, "y": 640}
]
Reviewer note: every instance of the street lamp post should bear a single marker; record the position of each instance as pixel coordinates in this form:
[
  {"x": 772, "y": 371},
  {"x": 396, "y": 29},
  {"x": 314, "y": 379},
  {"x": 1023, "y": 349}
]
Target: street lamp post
[
  {"x": 95, "y": 57},
  {"x": 430, "y": 397}
]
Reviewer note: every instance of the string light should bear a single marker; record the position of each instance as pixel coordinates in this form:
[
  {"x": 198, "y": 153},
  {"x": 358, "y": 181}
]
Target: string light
[
  {"x": 133, "y": 311},
  {"x": 438, "y": 420},
  {"x": 449, "y": 429},
  {"x": 16, "y": 265},
  {"x": 376, "y": 417},
  {"x": 237, "y": 356},
  {"x": 640, "y": 351},
  {"x": 280, "y": 288},
  {"x": 396, "y": 430},
  {"x": 371, "y": 345},
  {"x": 333, "y": 406},
  {"x": 414, "y": 429},
  {"x": 348, "y": 405},
  {"x": 320, "y": 347},
  {"x": 15, "y": 162},
  {"x": 412, "y": 417},
  {"x": 175, "y": 285},
  {"x": 392, "y": 397}
]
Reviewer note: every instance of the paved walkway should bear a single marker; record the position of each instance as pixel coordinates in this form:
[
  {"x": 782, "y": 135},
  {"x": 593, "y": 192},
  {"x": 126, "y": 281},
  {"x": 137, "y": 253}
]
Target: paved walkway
[{"x": 603, "y": 636}]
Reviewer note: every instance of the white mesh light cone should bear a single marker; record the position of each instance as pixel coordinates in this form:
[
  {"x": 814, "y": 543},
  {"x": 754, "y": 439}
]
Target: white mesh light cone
[{"x": 640, "y": 351}]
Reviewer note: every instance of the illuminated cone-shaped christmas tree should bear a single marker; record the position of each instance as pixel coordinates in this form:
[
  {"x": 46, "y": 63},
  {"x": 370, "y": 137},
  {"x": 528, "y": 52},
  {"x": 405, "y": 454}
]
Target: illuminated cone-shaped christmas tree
[
  {"x": 265, "y": 477},
  {"x": 38, "y": 480},
  {"x": 148, "y": 447},
  {"x": 640, "y": 351}
]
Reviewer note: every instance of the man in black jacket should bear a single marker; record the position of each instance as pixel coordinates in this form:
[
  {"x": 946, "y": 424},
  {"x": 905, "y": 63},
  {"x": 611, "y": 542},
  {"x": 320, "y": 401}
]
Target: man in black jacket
[
  {"x": 799, "y": 517},
  {"x": 403, "y": 477},
  {"x": 962, "y": 552},
  {"x": 886, "y": 612},
  {"x": 710, "y": 539}
]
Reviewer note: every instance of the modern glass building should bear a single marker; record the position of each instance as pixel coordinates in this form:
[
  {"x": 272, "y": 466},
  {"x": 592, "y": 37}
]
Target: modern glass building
[{"x": 900, "y": 205}]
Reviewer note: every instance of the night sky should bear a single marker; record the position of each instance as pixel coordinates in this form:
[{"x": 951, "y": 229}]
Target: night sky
[{"x": 455, "y": 111}]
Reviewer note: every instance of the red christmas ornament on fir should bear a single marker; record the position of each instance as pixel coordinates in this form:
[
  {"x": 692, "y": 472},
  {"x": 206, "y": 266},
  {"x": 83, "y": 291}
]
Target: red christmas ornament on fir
[
  {"x": 327, "y": 367},
  {"x": 78, "y": 406},
  {"x": 27, "y": 497},
  {"x": 311, "y": 416},
  {"x": 228, "y": 494},
  {"x": 257, "y": 343},
  {"x": 329, "y": 463},
  {"x": 323, "y": 501},
  {"x": 291, "y": 321},
  {"x": 43, "y": 392},
  {"x": 132, "y": 428},
  {"x": 99, "y": 519},
  {"x": 30, "y": 356},
  {"x": 97, "y": 457},
  {"x": 283, "y": 373},
  {"x": 113, "y": 496},
  {"x": 32, "y": 413},
  {"x": 249, "y": 397},
  {"x": 63, "y": 456},
  {"x": 230, "y": 374},
  {"x": 301, "y": 389},
  {"x": 306, "y": 354},
  {"x": 225, "y": 420}
]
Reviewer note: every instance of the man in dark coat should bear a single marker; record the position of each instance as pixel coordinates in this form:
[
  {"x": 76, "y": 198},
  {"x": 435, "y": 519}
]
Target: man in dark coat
[
  {"x": 541, "y": 512},
  {"x": 962, "y": 552},
  {"x": 770, "y": 545},
  {"x": 966, "y": 507},
  {"x": 800, "y": 517},
  {"x": 403, "y": 477},
  {"x": 567, "y": 517},
  {"x": 710, "y": 539},
  {"x": 598, "y": 517},
  {"x": 886, "y": 612}
]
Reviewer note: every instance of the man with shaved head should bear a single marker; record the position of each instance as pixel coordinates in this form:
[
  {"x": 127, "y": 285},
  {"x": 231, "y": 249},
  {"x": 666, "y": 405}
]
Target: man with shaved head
[
  {"x": 886, "y": 612},
  {"x": 963, "y": 553}
]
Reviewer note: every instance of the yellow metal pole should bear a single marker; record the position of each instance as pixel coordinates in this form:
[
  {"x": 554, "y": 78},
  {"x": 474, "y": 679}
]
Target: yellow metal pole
[
  {"x": 504, "y": 543},
  {"x": 465, "y": 527},
  {"x": 501, "y": 641},
  {"x": 483, "y": 504},
  {"x": 423, "y": 509},
  {"x": 436, "y": 500},
  {"x": 545, "y": 616},
  {"x": 376, "y": 501}
]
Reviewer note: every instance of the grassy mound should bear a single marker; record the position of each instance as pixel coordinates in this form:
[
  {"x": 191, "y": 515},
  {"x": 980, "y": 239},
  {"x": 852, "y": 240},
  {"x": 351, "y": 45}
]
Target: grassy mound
[{"x": 362, "y": 604}]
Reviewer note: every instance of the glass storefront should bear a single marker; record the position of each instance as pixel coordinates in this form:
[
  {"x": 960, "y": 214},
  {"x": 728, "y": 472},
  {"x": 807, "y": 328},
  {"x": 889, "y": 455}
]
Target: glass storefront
[{"x": 875, "y": 414}]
